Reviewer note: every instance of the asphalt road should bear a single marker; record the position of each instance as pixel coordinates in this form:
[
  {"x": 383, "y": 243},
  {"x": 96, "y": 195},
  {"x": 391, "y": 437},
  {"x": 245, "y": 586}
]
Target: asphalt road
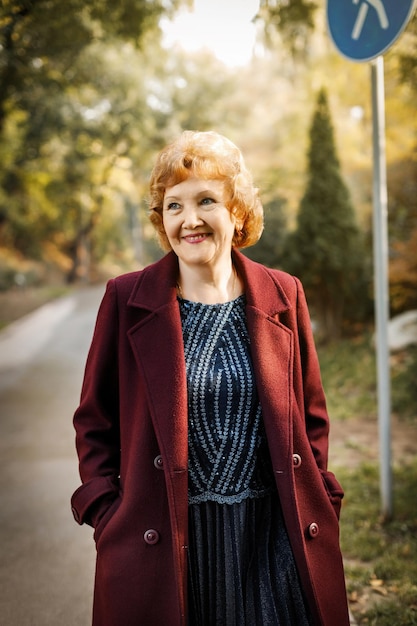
[{"x": 46, "y": 559}]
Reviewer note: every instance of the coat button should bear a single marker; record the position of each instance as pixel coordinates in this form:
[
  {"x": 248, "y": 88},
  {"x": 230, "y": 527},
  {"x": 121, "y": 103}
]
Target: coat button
[
  {"x": 296, "y": 460},
  {"x": 151, "y": 536},
  {"x": 313, "y": 530},
  {"x": 159, "y": 462}
]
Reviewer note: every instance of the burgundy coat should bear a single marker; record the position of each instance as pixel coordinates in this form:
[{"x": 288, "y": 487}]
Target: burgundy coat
[{"x": 131, "y": 436}]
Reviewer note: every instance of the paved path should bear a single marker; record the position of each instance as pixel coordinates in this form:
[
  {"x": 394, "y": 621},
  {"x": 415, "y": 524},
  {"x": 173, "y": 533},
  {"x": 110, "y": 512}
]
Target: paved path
[{"x": 46, "y": 559}]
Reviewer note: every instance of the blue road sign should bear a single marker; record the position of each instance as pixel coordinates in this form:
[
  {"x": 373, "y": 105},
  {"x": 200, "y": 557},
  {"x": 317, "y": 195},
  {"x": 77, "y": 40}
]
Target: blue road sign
[{"x": 363, "y": 29}]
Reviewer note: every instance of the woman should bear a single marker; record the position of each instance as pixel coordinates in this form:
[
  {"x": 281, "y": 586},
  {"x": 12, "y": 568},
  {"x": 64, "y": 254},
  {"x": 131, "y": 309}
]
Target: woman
[{"x": 202, "y": 431}]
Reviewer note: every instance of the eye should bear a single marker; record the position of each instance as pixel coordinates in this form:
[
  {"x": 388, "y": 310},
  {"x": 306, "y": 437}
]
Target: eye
[
  {"x": 173, "y": 206},
  {"x": 207, "y": 201}
]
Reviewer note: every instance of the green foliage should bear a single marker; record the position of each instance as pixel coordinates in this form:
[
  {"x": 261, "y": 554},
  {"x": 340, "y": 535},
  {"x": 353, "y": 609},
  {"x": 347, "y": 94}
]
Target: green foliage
[
  {"x": 269, "y": 249},
  {"x": 293, "y": 19},
  {"x": 326, "y": 249},
  {"x": 82, "y": 121},
  {"x": 194, "y": 90},
  {"x": 408, "y": 54},
  {"x": 65, "y": 166},
  {"x": 382, "y": 554},
  {"x": 40, "y": 41},
  {"x": 88, "y": 96},
  {"x": 65, "y": 106},
  {"x": 13, "y": 273},
  {"x": 402, "y": 221}
]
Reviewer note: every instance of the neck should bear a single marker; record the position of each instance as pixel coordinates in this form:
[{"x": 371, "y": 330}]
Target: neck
[{"x": 204, "y": 285}]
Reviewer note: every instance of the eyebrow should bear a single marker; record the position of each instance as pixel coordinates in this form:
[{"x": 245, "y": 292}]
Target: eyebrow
[{"x": 203, "y": 192}]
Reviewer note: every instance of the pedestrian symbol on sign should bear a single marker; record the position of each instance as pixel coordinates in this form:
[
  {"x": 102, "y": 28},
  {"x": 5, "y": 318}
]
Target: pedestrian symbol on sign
[
  {"x": 363, "y": 11},
  {"x": 364, "y": 29}
]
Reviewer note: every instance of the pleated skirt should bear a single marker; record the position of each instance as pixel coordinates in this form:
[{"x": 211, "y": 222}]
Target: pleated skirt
[{"x": 241, "y": 566}]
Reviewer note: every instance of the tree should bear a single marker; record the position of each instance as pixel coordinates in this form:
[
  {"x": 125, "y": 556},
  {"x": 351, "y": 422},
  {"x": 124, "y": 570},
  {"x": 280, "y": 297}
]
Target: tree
[
  {"x": 408, "y": 54},
  {"x": 402, "y": 214},
  {"x": 40, "y": 40},
  {"x": 293, "y": 20},
  {"x": 68, "y": 113},
  {"x": 269, "y": 249},
  {"x": 326, "y": 249},
  {"x": 292, "y": 17}
]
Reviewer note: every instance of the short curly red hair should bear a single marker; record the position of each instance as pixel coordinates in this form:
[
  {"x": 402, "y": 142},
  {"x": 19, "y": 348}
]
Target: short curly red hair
[{"x": 210, "y": 156}]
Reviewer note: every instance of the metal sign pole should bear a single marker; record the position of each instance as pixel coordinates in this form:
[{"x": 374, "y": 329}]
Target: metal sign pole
[
  {"x": 362, "y": 30},
  {"x": 380, "y": 234}
]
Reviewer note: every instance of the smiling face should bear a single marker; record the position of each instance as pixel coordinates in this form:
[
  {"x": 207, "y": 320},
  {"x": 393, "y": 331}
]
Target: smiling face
[{"x": 197, "y": 222}]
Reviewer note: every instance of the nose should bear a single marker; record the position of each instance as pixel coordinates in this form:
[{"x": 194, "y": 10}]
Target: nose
[{"x": 191, "y": 217}]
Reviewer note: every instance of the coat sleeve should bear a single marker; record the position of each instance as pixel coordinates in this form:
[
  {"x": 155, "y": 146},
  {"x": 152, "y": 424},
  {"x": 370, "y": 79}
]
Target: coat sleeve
[{"x": 96, "y": 420}]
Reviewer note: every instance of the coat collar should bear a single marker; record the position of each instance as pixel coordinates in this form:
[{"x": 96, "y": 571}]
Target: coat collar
[
  {"x": 156, "y": 285},
  {"x": 263, "y": 290}
]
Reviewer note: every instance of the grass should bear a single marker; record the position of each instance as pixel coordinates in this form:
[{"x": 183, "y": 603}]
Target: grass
[
  {"x": 381, "y": 557},
  {"x": 348, "y": 370}
]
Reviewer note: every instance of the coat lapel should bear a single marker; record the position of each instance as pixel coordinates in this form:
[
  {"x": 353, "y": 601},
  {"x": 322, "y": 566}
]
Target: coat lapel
[
  {"x": 272, "y": 347},
  {"x": 158, "y": 346}
]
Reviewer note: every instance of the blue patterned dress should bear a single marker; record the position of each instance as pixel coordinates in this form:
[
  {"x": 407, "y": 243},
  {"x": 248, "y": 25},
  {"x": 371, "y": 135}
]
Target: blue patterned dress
[{"x": 241, "y": 567}]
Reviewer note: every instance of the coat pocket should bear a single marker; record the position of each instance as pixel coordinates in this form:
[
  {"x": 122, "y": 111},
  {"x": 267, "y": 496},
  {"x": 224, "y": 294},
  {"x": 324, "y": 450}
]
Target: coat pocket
[
  {"x": 105, "y": 518},
  {"x": 334, "y": 490}
]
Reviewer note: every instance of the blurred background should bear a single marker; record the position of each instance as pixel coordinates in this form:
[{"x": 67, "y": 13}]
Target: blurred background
[{"x": 89, "y": 93}]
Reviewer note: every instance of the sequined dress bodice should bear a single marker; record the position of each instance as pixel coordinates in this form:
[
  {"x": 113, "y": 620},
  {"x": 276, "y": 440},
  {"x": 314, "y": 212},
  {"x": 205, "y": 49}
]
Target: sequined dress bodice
[{"x": 228, "y": 459}]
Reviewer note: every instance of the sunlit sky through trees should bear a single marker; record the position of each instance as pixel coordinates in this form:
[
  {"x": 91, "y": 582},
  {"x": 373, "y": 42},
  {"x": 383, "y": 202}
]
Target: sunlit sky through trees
[{"x": 224, "y": 27}]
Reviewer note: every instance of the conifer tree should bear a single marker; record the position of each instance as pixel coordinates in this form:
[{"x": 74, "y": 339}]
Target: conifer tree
[{"x": 326, "y": 249}]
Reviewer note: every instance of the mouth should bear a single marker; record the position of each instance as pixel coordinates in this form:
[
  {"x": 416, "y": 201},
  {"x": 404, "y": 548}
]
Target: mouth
[{"x": 195, "y": 238}]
